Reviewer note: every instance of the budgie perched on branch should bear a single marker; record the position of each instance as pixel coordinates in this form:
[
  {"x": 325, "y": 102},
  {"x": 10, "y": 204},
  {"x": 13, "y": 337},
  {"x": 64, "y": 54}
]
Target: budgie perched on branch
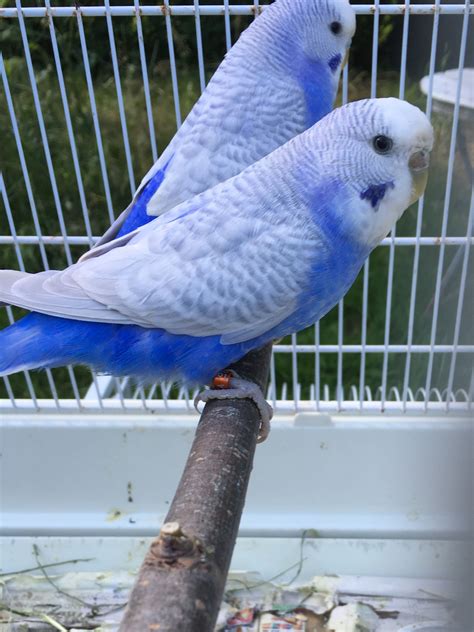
[
  {"x": 280, "y": 78},
  {"x": 261, "y": 255}
]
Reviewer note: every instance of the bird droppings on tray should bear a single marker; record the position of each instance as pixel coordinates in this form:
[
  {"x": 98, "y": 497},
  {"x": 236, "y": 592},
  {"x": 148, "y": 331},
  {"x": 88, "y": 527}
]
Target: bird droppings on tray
[
  {"x": 114, "y": 514},
  {"x": 96, "y": 601}
]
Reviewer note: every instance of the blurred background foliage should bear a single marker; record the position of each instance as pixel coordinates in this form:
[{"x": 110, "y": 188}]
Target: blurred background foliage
[{"x": 185, "y": 48}]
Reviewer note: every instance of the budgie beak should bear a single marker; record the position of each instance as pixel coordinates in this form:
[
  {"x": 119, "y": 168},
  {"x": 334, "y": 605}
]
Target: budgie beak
[{"x": 419, "y": 162}]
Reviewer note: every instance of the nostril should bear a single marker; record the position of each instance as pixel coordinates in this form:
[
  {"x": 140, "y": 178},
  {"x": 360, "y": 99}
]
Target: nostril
[{"x": 419, "y": 161}]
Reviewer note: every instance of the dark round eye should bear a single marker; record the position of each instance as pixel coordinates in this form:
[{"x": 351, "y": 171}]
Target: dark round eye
[
  {"x": 382, "y": 144},
  {"x": 336, "y": 27}
]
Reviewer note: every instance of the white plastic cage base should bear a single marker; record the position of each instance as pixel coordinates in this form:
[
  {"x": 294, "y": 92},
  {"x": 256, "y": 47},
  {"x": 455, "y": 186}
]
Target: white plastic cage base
[
  {"x": 379, "y": 505},
  {"x": 339, "y": 477}
]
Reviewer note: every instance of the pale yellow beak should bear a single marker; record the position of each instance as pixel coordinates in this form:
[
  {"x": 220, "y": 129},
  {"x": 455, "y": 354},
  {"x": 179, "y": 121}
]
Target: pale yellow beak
[{"x": 419, "y": 163}]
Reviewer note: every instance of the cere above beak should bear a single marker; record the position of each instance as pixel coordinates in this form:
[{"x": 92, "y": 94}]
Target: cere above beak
[{"x": 420, "y": 160}]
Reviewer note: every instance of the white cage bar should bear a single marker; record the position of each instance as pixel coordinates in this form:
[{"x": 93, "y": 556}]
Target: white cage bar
[
  {"x": 220, "y": 10},
  {"x": 358, "y": 393}
]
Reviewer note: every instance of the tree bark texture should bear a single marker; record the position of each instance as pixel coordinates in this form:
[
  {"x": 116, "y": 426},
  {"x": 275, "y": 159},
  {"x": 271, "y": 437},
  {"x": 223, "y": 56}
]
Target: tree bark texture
[{"x": 181, "y": 582}]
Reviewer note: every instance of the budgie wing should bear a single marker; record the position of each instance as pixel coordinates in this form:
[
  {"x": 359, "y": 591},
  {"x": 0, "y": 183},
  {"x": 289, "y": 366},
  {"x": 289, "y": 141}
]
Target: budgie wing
[
  {"x": 187, "y": 275},
  {"x": 114, "y": 229},
  {"x": 156, "y": 173}
]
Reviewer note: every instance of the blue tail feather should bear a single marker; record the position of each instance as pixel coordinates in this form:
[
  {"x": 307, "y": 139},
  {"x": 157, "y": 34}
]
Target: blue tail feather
[{"x": 40, "y": 341}]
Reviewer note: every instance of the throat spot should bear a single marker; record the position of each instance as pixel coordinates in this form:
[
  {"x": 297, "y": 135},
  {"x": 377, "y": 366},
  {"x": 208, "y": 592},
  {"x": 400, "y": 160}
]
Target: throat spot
[
  {"x": 375, "y": 193},
  {"x": 334, "y": 62}
]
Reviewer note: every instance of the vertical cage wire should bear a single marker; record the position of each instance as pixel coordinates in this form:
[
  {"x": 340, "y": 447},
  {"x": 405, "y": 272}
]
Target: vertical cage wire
[
  {"x": 174, "y": 76},
  {"x": 70, "y": 132},
  {"x": 293, "y": 395},
  {"x": 95, "y": 116},
  {"x": 446, "y": 207},
  {"x": 228, "y": 36},
  {"x": 21, "y": 266},
  {"x": 391, "y": 263},
  {"x": 44, "y": 137},
  {"x": 121, "y": 106},
  {"x": 200, "y": 52},
  {"x": 366, "y": 270},
  {"x": 146, "y": 83},
  {"x": 460, "y": 303},
  {"x": 419, "y": 220}
]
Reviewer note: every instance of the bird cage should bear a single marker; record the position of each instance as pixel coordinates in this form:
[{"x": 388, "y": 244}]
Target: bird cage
[
  {"x": 83, "y": 118},
  {"x": 397, "y": 342}
]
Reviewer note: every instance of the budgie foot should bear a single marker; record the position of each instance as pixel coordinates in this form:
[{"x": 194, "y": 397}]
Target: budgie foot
[{"x": 228, "y": 385}]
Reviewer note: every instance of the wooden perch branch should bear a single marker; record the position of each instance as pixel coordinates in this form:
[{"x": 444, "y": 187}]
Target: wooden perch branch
[{"x": 182, "y": 579}]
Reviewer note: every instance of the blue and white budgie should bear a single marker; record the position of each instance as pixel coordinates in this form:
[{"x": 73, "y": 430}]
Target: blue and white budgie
[
  {"x": 280, "y": 78},
  {"x": 261, "y": 255}
]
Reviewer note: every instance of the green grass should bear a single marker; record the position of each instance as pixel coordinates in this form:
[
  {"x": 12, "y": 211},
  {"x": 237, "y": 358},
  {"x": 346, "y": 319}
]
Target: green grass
[{"x": 165, "y": 126}]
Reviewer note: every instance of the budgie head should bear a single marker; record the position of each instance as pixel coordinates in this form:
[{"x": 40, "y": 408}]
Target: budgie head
[
  {"x": 327, "y": 31},
  {"x": 315, "y": 34},
  {"x": 380, "y": 150}
]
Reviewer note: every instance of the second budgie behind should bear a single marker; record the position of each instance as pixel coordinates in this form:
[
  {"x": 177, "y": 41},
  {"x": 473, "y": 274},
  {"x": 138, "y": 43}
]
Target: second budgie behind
[
  {"x": 255, "y": 258},
  {"x": 280, "y": 78}
]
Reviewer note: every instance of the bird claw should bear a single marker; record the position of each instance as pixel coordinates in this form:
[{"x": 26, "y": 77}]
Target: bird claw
[{"x": 228, "y": 385}]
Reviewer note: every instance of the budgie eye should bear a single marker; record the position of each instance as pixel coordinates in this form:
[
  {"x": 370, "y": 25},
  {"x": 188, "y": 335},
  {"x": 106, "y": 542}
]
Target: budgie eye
[
  {"x": 336, "y": 27},
  {"x": 382, "y": 144}
]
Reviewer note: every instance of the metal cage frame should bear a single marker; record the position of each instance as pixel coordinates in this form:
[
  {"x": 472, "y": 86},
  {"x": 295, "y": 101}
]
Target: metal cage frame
[{"x": 110, "y": 394}]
